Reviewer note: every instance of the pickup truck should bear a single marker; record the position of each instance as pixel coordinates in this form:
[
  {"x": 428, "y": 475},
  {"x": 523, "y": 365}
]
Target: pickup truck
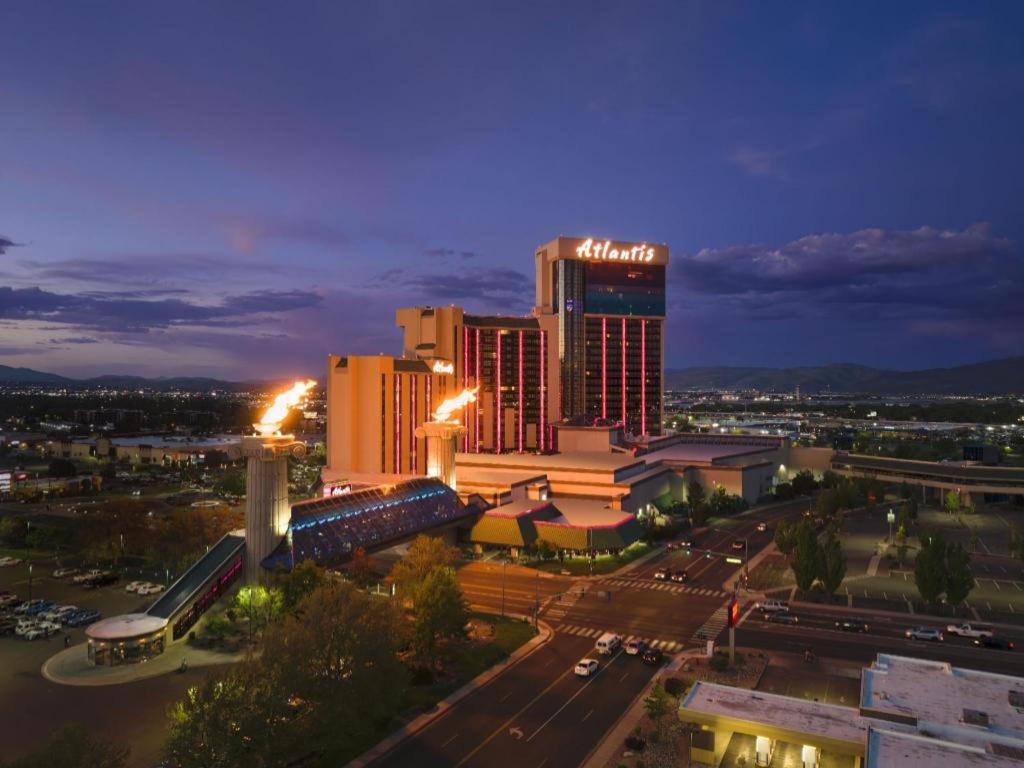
[{"x": 970, "y": 630}]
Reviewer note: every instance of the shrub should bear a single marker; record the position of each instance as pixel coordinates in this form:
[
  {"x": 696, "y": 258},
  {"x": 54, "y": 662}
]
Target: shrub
[
  {"x": 675, "y": 686},
  {"x": 421, "y": 676},
  {"x": 719, "y": 662}
]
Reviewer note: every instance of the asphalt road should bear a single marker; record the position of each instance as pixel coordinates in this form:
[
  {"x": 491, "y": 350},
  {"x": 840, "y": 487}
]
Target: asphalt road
[
  {"x": 537, "y": 714},
  {"x": 885, "y": 635}
]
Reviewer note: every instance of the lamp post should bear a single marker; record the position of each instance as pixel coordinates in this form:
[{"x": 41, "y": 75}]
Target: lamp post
[
  {"x": 503, "y": 564},
  {"x": 891, "y": 517},
  {"x": 536, "y": 599},
  {"x": 30, "y": 582}
]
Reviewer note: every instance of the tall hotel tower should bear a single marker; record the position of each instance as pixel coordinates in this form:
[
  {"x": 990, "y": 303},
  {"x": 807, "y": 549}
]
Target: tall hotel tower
[{"x": 604, "y": 301}]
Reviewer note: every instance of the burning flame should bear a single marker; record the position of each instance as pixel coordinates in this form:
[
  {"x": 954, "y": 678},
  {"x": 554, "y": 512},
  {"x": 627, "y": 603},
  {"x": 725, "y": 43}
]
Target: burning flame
[
  {"x": 445, "y": 410},
  {"x": 271, "y": 420}
]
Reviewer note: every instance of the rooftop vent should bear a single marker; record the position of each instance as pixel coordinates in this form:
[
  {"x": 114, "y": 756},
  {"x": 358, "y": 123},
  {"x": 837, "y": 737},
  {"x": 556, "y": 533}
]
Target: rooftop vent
[
  {"x": 1017, "y": 699},
  {"x": 976, "y": 717}
]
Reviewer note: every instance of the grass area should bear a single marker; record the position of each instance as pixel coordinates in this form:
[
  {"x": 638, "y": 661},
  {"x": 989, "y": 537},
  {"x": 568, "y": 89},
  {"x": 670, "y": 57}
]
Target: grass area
[
  {"x": 580, "y": 566},
  {"x": 771, "y": 575}
]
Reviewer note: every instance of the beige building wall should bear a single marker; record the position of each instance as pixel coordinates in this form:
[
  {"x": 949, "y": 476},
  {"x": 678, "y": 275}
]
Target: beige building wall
[{"x": 374, "y": 404}]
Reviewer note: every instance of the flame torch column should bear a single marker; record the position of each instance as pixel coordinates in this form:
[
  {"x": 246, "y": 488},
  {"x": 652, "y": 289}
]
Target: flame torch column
[
  {"x": 267, "y": 511},
  {"x": 441, "y": 440}
]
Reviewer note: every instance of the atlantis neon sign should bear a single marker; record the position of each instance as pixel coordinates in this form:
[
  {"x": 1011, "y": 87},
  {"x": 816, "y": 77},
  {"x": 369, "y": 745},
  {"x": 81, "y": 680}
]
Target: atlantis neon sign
[
  {"x": 440, "y": 366},
  {"x": 589, "y": 249}
]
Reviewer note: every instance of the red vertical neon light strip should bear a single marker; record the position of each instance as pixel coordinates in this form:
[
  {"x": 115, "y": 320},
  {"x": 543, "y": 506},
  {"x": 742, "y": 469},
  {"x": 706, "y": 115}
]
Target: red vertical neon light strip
[
  {"x": 643, "y": 377},
  {"x": 604, "y": 367},
  {"x": 398, "y": 423},
  {"x": 412, "y": 424},
  {"x": 521, "y": 393},
  {"x": 623, "y": 373},
  {"x": 543, "y": 392},
  {"x": 497, "y": 391},
  {"x": 465, "y": 380},
  {"x": 476, "y": 420}
]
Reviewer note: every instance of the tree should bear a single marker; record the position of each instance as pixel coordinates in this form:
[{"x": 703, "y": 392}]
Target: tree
[
  {"x": 930, "y": 568},
  {"x": 360, "y": 569},
  {"x": 951, "y": 502},
  {"x": 806, "y": 556},
  {"x": 959, "y": 579},
  {"x": 425, "y": 554},
  {"x": 785, "y": 537},
  {"x": 695, "y": 494},
  {"x": 785, "y": 492},
  {"x": 828, "y": 503},
  {"x": 73, "y": 747},
  {"x": 832, "y": 565},
  {"x": 13, "y": 530},
  {"x": 61, "y": 468},
  {"x": 259, "y": 605},
  {"x": 803, "y": 482},
  {"x": 657, "y": 705},
  {"x": 911, "y": 507},
  {"x": 439, "y": 611}
]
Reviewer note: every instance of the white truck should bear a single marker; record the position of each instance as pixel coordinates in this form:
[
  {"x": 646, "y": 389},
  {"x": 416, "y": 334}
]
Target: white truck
[
  {"x": 608, "y": 643},
  {"x": 968, "y": 629}
]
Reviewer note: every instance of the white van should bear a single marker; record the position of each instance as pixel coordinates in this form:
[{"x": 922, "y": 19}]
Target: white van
[
  {"x": 608, "y": 643},
  {"x": 772, "y": 606}
]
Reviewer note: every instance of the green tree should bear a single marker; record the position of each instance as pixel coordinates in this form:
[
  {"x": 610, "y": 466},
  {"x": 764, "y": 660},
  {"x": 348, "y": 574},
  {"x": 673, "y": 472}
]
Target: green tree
[
  {"x": 806, "y": 556},
  {"x": 911, "y": 507},
  {"x": 695, "y": 494},
  {"x": 785, "y": 537},
  {"x": 73, "y": 747},
  {"x": 439, "y": 611},
  {"x": 828, "y": 503},
  {"x": 657, "y": 704},
  {"x": 425, "y": 554},
  {"x": 359, "y": 569},
  {"x": 832, "y": 565},
  {"x": 300, "y": 582},
  {"x": 951, "y": 502},
  {"x": 803, "y": 482},
  {"x": 930, "y": 568},
  {"x": 959, "y": 579},
  {"x": 259, "y": 605}
]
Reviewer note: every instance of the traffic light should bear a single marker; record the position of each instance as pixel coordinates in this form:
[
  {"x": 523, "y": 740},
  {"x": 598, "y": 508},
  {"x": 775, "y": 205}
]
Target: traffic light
[{"x": 734, "y": 612}]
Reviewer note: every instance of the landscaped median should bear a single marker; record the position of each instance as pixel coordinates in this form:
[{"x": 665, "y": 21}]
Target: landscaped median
[{"x": 582, "y": 565}]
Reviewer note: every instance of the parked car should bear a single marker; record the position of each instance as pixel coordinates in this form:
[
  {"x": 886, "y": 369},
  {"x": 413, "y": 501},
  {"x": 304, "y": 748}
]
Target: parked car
[
  {"x": 33, "y": 606},
  {"x": 851, "y": 625},
  {"x": 57, "y": 613},
  {"x": 970, "y": 629},
  {"x": 924, "y": 633},
  {"x": 82, "y": 618},
  {"x": 102, "y": 580},
  {"x": 7, "y": 626},
  {"x": 586, "y": 667},
  {"x": 9, "y": 600},
  {"x": 150, "y": 589},
  {"x": 652, "y": 656},
  {"x": 680, "y": 577},
  {"x": 63, "y": 573},
  {"x": 5, "y": 561},
  {"x": 38, "y": 632},
  {"x": 133, "y": 586},
  {"x": 636, "y": 647},
  {"x": 82, "y": 578},
  {"x": 662, "y": 574},
  {"x": 782, "y": 617},
  {"x": 991, "y": 641}
]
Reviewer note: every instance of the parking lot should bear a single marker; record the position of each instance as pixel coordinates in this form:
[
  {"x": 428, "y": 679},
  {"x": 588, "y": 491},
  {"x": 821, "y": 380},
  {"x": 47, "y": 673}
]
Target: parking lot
[{"x": 133, "y": 715}]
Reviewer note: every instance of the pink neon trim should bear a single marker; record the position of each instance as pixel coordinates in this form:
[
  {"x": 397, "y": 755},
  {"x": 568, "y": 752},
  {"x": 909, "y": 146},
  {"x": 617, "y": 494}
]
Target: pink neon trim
[
  {"x": 623, "y": 372},
  {"x": 497, "y": 392},
  {"x": 604, "y": 367},
  {"x": 643, "y": 377}
]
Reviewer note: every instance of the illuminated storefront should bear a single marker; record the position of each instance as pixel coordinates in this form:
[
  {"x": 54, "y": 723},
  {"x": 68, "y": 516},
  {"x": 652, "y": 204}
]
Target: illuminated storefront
[{"x": 128, "y": 639}]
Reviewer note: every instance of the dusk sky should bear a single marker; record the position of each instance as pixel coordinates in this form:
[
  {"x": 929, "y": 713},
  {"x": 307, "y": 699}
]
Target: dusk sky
[{"x": 239, "y": 189}]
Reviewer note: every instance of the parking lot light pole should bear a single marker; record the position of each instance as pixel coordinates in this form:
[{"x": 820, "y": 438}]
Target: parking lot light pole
[
  {"x": 891, "y": 517},
  {"x": 30, "y": 582}
]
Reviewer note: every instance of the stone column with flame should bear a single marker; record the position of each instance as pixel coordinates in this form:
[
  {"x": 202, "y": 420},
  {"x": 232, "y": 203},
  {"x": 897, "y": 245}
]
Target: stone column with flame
[
  {"x": 442, "y": 435},
  {"x": 267, "y": 510}
]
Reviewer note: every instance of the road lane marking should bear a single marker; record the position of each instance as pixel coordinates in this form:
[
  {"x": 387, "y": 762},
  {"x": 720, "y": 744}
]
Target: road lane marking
[
  {"x": 623, "y": 678},
  {"x": 450, "y": 741},
  {"x": 997, "y": 585},
  {"x": 573, "y": 697},
  {"x": 505, "y": 697},
  {"x": 586, "y": 716}
]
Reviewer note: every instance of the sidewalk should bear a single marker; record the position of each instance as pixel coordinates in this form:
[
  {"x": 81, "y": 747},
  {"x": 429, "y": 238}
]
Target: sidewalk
[
  {"x": 72, "y": 666},
  {"x": 442, "y": 707}
]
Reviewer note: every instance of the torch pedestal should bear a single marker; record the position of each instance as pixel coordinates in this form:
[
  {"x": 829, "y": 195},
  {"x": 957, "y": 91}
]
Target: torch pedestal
[{"x": 441, "y": 440}]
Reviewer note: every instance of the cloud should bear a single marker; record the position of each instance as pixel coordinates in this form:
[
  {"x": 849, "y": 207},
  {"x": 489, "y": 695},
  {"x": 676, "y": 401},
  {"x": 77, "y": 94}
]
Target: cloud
[
  {"x": 6, "y": 244},
  {"x": 137, "y": 269},
  {"x": 450, "y": 253},
  {"x": 496, "y": 288},
  {"x": 75, "y": 340},
  {"x": 134, "y": 315}
]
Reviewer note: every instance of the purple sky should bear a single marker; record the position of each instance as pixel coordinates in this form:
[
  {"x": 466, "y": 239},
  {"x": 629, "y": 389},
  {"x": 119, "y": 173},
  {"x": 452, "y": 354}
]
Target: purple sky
[{"x": 238, "y": 189}]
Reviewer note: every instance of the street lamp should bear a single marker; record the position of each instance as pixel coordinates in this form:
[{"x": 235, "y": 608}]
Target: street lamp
[
  {"x": 503, "y": 564},
  {"x": 891, "y": 517},
  {"x": 30, "y": 582}
]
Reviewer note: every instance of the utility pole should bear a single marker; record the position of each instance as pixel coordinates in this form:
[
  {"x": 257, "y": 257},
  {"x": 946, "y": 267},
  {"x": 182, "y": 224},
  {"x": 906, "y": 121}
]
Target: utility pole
[
  {"x": 734, "y": 612},
  {"x": 536, "y": 600},
  {"x": 503, "y": 564}
]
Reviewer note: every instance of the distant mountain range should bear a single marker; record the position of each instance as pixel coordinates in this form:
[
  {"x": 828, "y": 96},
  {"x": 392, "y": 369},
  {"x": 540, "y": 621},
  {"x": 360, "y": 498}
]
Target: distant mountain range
[
  {"x": 10, "y": 375},
  {"x": 996, "y": 377}
]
